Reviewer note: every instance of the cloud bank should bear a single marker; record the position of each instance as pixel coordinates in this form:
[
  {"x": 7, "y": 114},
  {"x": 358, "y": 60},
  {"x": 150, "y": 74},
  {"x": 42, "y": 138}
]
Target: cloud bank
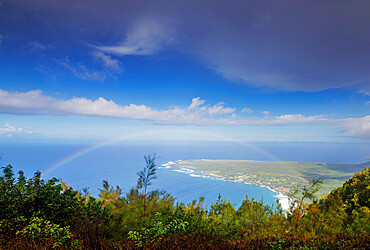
[{"x": 197, "y": 113}]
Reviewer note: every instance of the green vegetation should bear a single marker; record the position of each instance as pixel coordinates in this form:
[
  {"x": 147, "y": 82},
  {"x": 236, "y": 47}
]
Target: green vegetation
[
  {"x": 48, "y": 214},
  {"x": 282, "y": 176}
]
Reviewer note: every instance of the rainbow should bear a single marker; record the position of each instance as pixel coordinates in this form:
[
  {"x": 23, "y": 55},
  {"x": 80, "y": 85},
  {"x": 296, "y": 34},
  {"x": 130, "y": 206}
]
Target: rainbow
[
  {"x": 94, "y": 147},
  {"x": 102, "y": 144}
]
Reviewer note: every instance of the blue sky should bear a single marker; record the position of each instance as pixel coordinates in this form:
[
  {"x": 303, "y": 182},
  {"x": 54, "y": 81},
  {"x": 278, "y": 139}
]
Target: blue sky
[{"x": 184, "y": 70}]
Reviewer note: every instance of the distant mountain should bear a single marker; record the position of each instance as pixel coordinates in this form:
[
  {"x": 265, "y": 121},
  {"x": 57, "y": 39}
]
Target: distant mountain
[{"x": 350, "y": 168}]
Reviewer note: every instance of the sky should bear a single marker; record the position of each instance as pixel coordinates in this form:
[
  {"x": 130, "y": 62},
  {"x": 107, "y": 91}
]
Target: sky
[{"x": 255, "y": 71}]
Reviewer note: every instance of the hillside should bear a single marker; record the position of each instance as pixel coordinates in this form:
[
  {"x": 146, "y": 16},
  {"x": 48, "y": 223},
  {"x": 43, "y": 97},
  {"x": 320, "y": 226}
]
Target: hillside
[{"x": 48, "y": 214}]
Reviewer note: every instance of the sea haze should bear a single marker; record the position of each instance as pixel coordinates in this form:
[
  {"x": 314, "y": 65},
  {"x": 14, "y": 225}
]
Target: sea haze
[{"x": 119, "y": 163}]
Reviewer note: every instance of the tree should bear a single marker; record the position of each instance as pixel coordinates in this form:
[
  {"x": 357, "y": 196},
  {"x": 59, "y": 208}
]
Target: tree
[
  {"x": 299, "y": 207},
  {"x": 146, "y": 176}
]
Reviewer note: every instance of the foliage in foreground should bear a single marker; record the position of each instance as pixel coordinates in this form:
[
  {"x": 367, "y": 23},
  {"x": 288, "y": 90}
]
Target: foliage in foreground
[{"x": 46, "y": 214}]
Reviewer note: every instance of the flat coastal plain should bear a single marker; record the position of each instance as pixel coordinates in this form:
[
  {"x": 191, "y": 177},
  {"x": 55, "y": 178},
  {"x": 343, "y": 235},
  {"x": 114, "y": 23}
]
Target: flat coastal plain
[{"x": 282, "y": 176}]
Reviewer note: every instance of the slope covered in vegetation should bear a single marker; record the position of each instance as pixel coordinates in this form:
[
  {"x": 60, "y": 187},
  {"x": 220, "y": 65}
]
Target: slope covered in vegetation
[{"x": 46, "y": 214}]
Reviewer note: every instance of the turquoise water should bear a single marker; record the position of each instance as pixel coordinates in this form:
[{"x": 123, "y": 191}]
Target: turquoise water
[{"x": 119, "y": 164}]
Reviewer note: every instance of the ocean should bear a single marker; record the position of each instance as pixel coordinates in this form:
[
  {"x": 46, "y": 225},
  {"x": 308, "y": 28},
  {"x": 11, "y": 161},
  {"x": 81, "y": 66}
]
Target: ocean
[{"x": 83, "y": 165}]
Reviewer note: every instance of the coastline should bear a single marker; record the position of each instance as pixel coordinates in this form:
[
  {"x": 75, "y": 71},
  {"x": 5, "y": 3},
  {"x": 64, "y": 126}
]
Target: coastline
[{"x": 284, "y": 199}]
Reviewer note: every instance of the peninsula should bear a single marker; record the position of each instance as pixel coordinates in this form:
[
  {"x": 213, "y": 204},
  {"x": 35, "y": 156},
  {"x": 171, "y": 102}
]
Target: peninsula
[{"x": 282, "y": 176}]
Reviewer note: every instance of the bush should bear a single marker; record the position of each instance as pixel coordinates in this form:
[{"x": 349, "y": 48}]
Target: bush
[{"x": 45, "y": 231}]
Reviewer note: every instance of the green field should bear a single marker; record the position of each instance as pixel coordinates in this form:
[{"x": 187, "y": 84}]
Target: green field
[{"x": 282, "y": 176}]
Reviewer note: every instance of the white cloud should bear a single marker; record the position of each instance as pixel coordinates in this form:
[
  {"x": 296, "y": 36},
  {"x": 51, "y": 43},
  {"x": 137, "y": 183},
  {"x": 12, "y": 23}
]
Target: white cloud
[
  {"x": 36, "y": 46},
  {"x": 356, "y": 126},
  {"x": 79, "y": 70},
  {"x": 365, "y": 89},
  {"x": 101, "y": 68},
  {"x": 196, "y": 102},
  {"x": 107, "y": 61},
  {"x": 296, "y": 119},
  {"x": 247, "y": 110},
  {"x": 290, "y": 119},
  {"x": 197, "y": 113},
  {"x": 24, "y": 102},
  {"x": 10, "y": 130},
  {"x": 220, "y": 109},
  {"x": 145, "y": 38},
  {"x": 35, "y": 102},
  {"x": 265, "y": 112},
  {"x": 368, "y": 103}
]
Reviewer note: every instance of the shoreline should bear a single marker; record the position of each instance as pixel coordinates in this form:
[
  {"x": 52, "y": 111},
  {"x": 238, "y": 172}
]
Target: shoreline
[{"x": 284, "y": 199}]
